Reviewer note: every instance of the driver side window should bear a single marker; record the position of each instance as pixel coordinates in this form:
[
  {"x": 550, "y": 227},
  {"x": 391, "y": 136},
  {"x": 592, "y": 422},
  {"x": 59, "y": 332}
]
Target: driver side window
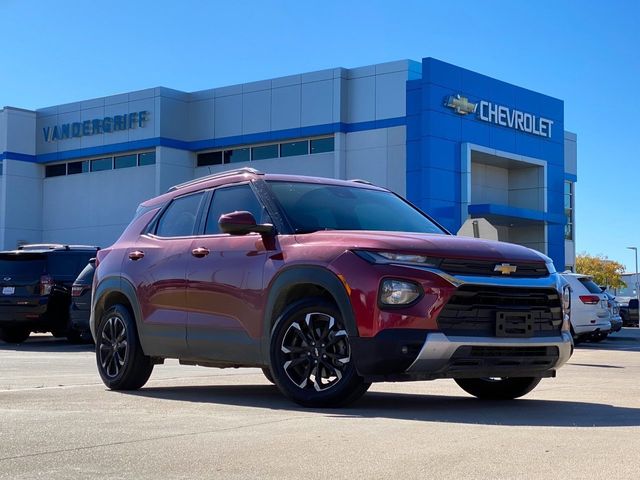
[{"x": 231, "y": 199}]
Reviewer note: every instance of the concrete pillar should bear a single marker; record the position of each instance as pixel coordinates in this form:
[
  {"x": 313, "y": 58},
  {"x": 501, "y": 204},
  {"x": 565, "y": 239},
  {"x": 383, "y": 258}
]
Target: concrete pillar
[
  {"x": 173, "y": 166},
  {"x": 21, "y": 182}
]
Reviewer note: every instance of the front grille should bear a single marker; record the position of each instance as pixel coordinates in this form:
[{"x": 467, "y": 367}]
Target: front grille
[
  {"x": 532, "y": 358},
  {"x": 487, "y": 268},
  {"x": 472, "y": 310}
]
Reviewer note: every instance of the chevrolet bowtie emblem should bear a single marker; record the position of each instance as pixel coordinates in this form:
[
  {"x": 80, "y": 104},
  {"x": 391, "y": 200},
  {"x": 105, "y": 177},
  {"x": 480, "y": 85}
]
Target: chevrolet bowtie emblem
[
  {"x": 505, "y": 268},
  {"x": 6, "y": 279},
  {"x": 461, "y": 105}
]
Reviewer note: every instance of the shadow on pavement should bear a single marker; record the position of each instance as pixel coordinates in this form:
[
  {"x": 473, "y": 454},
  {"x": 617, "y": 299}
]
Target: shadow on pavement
[
  {"x": 46, "y": 344},
  {"x": 417, "y": 407}
]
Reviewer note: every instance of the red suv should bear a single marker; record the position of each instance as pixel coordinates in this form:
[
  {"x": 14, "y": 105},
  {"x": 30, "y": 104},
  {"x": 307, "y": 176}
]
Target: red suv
[{"x": 327, "y": 285}]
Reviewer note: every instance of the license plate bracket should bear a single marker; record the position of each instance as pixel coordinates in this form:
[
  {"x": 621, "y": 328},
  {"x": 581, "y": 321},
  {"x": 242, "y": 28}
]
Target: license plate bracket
[{"x": 514, "y": 324}]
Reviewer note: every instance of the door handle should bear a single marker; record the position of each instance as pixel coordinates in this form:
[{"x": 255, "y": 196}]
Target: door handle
[
  {"x": 136, "y": 255},
  {"x": 200, "y": 252}
]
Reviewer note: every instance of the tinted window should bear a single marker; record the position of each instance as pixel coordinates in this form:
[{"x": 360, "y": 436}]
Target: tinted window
[
  {"x": 179, "y": 219},
  {"x": 77, "y": 167},
  {"x": 100, "y": 164},
  {"x": 237, "y": 155},
  {"x": 86, "y": 275},
  {"x": 231, "y": 199},
  {"x": 126, "y": 161},
  {"x": 209, "y": 158},
  {"x": 55, "y": 170},
  {"x": 590, "y": 285},
  {"x": 22, "y": 265},
  {"x": 322, "y": 145},
  {"x": 147, "y": 158},
  {"x": 266, "y": 151},
  {"x": 312, "y": 207},
  {"x": 294, "y": 148}
]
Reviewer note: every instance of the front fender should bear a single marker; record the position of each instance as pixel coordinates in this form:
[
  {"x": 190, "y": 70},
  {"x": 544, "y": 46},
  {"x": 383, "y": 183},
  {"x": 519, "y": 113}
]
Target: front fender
[{"x": 310, "y": 275}]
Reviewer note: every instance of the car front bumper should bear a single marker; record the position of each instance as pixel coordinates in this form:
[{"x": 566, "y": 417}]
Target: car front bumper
[{"x": 399, "y": 355}]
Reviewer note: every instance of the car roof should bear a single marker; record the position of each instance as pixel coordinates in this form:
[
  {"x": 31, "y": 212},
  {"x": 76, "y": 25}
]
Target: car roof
[{"x": 248, "y": 174}]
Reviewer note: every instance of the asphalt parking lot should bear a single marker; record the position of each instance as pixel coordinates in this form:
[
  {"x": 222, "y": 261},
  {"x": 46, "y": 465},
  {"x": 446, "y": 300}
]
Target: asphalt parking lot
[{"x": 58, "y": 421}]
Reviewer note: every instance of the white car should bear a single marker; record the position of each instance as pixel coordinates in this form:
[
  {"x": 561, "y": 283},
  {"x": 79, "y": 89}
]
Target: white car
[{"x": 590, "y": 315}]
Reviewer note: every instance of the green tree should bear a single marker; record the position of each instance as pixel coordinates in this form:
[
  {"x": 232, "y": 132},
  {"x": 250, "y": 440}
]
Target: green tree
[{"x": 604, "y": 271}]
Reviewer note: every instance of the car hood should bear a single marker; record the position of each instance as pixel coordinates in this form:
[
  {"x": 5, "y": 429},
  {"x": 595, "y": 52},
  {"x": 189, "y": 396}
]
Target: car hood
[{"x": 443, "y": 246}]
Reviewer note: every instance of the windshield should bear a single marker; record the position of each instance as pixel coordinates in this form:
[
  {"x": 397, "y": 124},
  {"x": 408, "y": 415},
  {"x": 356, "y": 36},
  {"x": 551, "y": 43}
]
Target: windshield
[{"x": 311, "y": 207}]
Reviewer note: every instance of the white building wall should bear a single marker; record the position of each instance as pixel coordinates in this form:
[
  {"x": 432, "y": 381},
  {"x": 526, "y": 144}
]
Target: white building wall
[
  {"x": 94, "y": 208},
  {"x": 22, "y": 203},
  {"x": 378, "y": 156}
]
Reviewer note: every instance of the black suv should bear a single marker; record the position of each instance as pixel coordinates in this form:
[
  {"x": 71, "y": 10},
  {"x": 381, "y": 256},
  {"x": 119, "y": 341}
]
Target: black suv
[{"x": 35, "y": 289}]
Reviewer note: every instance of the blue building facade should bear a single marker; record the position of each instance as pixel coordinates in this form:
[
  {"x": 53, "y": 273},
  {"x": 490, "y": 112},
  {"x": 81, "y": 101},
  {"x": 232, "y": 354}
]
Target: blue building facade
[{"x": 458, "y": 144}]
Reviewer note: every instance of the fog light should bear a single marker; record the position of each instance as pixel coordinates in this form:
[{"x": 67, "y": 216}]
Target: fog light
[{"x": 398, "y": 292}]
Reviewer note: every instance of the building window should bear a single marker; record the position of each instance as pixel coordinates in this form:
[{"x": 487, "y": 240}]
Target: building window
[
  {"x": 77, "y": 167},
  {"x": 100, "y": 164},
  {"x": 55, "y": 170},
  {"x": 292, "y": 149},
  {"x": 322, "y": 145},
  {"x": 126, "y": 161},
  {"x": 568, "y": 210},
  {"x": 236, "y": 155},
  {"x": 264, "y": 152},
  {"x": 146, "y": 158},
  {"x": 209, "y": 158}
]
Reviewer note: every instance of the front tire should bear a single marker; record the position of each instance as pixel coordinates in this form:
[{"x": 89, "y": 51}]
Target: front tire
[
  {"x": 121, "y": 362},
  {"x": 311, "y": 356},
  {"x": 14, "y": 334},
  {"x": 498, "y": 388}
]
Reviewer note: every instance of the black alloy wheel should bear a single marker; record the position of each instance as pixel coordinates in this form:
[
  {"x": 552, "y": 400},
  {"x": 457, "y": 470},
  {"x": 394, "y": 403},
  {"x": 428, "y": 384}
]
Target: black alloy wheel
[
  {"x": 311, "y": 356},
  {"x": 121, "y": 362}
]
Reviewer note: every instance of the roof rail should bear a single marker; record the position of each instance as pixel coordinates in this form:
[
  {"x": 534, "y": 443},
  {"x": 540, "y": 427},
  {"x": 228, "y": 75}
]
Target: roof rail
[
  {"x": 227, "y": 173},
  {"x": 359, "y": 180},
  {"x": 43, "y": 246}
]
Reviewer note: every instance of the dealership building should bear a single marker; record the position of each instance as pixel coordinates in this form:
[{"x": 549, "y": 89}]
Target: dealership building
[{"x": 456, "y": 143}]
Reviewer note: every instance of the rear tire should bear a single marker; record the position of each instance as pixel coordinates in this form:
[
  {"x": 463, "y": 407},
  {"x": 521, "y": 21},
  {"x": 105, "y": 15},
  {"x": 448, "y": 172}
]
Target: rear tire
[
  {"x": 121, "y": 362},
  {"x": 498, "y": 389},
  {"x": 311, "y": 356},
  {"x": 14, "y": 334}
]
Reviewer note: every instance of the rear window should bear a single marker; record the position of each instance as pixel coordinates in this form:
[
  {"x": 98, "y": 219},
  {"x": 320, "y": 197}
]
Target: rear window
[
  {"x": 86, "y": 275},
  {"x": 21, "y": 265},
  {"x": 590, "y": 285},
  {"x": 68, "y": 264}
]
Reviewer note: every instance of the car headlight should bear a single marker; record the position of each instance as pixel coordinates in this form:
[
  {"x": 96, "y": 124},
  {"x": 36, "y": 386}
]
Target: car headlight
[
  {"x": 398, "y": 292},
  {"x": 403, "y": 258}
]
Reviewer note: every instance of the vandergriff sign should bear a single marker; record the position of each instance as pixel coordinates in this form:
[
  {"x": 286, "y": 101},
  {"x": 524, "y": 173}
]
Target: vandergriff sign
[
  {"x": 116, "y": 123},
  {"x": 501, "y": 115}
]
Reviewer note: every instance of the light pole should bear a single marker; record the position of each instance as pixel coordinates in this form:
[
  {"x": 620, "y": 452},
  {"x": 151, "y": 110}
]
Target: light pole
[{"x": 635, "y": 249}]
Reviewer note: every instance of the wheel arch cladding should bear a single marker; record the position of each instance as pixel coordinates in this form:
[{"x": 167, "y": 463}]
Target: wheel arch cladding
[
  {"x": 116, "y": 290},
  {"x": 296, "y": 283}
]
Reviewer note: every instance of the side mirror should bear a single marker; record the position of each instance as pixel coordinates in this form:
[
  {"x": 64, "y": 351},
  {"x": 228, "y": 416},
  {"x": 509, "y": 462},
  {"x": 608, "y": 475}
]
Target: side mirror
[{"x": 241, "y": 223}]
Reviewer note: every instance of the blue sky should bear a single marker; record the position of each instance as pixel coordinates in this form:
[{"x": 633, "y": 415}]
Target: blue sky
[{"x": 584, "y": 52}]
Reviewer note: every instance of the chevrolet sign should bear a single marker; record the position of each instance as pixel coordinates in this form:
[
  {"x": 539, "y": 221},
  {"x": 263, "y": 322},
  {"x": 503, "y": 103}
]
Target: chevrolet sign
[{"x": 501, "y": 115}]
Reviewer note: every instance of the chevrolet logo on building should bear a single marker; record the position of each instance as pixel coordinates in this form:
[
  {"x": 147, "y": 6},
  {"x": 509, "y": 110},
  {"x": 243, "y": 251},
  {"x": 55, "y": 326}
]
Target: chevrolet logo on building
[
  {"x": 505, "y": 268},
  {"x": 461, "y": 105}
]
